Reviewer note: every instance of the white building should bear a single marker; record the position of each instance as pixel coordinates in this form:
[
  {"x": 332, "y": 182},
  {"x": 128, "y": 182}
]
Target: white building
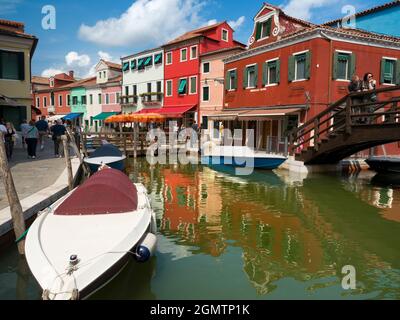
[
  {"x": 103, "y": 96},
  {"x": 143, "y": 81}
]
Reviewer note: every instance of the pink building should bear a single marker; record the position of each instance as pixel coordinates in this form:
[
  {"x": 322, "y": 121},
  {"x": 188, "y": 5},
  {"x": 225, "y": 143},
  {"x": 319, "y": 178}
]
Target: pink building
[
  {"x": 111, "y": 95},
  {"x": 212, "y": 78}
]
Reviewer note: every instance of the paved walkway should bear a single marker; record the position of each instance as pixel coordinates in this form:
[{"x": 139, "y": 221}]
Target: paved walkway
[{"x": 31, "y": 176}]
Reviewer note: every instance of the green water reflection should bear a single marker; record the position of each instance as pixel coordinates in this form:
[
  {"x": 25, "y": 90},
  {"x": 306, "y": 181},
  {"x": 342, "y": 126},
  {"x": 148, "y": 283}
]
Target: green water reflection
[{"x": 267, "y": 236}]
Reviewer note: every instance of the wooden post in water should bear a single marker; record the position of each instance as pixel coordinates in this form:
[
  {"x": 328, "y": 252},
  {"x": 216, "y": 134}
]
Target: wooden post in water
[
  {"x": 77, "y": 152},
  {"x": 15, "y": 206},
  {"x": 68, "y": 161}
]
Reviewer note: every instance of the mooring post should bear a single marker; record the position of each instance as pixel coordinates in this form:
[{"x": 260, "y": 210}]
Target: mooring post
[
  {"x": 78, "y": 152},
  {"x": 15, "y": 205},
  {"x": 68, "y": 161}
]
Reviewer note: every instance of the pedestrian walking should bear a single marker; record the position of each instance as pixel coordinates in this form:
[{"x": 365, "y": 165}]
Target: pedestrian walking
[
  {"x": 24, "y": 131},
  {"x": 32, "y": 137},
  {"x": 43, "y": 128},
  {"x": 9, "y": 140},
  {"x": 57, "y": 131}
]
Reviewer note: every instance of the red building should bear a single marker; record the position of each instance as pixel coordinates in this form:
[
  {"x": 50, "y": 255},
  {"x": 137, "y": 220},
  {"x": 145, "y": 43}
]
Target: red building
[
  {"x": 53, "y": 99},
  {"x": 182, "y": 65},
  {"x": 293, "y": 70}
]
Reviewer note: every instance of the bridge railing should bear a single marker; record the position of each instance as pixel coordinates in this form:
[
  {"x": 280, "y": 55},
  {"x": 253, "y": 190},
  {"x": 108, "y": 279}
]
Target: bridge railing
[{"x": 355, "y": 109}]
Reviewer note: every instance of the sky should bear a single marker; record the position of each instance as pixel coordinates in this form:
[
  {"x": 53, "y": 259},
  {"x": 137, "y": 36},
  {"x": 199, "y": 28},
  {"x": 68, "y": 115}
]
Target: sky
[{"x": 87, "y": 30}]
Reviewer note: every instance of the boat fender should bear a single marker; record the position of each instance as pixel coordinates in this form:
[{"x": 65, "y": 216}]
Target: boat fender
[{"x": 146, "y": 248}]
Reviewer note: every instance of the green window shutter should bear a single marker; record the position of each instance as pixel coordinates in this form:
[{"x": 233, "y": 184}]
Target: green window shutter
[
  {"x": 352, "y": 64},
  {"x": 308, "y": 65},
  {"x": 258, "y": 30},
  {"x": 269, "y": 25},
  {"x": 245, "y": 78},
  {"x": 278, "y": 71},
  {"x": 125, "y": 66},
  {"x": 291, "y": 68},
  {"x": 182, "y": 86},
  {"x": 335, "y": 65},
  {"x": 157, "y": 59},
  {"x": 256, "y": 75},
  {"x": 21, "y": 66},
  {"x": 265, "y": 74},
  {"x": 234, "y": 87},
  {"x": 227, "y": 80},
  {"x": 397, "y": 72},
  {"x": 133, "y": 64},
  {"x": 383, "y": 64}
]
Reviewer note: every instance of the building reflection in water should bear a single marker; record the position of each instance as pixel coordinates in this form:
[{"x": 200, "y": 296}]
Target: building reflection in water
[{"x": 306, "y": 231}]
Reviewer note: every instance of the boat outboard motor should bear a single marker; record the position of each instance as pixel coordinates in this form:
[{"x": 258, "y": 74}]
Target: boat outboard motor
[{"x": 146, "y": 248}]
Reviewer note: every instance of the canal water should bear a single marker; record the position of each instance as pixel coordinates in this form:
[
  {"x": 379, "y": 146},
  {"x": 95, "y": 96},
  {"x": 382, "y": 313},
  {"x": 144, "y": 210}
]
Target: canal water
[{"x": 266, "y": 236}]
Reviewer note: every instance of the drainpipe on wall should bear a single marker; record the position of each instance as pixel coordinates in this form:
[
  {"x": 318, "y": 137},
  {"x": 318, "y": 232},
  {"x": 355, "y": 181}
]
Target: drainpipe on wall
[{"x": 330, "y": 66}]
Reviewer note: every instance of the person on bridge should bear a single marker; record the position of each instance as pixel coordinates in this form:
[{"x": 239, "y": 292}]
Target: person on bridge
[
  {"x": 369, "y": 84},
  {"x": 356, "y": 85}
]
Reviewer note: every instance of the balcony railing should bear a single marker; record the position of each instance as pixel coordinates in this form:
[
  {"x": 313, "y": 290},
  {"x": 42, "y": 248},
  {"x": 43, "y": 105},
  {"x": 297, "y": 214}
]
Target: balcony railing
[
  {"x": 152, "y": 98},
  {"x": 129, "y": 100}
]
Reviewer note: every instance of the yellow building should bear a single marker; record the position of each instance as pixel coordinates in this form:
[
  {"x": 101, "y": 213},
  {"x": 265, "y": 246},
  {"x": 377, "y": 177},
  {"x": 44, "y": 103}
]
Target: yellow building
[{"x": 16, "y": 52}]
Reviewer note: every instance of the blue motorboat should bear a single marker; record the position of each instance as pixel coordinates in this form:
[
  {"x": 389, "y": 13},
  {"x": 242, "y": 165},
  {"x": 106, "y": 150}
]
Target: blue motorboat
[
  {"x": 107, "y": 155},
  {"x": 242, "y": 157}
]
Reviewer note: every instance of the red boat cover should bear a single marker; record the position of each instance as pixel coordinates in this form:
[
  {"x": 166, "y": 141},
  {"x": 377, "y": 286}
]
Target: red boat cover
[{"x": 109, "y": 191}]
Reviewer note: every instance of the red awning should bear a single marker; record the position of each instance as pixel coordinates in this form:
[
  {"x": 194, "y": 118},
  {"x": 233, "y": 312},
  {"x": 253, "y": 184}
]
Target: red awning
[
  {"x": 170, "y": 112},
  {"x": 109, "y": 191}
]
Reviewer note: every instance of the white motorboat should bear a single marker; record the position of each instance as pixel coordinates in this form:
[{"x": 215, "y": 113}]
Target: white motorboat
[
  {"x": 241, "y": 157},
  {"x": 86, "y": 238}
]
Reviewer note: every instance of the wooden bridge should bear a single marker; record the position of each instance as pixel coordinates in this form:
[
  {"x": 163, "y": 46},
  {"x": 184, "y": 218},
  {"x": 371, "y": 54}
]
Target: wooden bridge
[{"x": 347, "y": 127}]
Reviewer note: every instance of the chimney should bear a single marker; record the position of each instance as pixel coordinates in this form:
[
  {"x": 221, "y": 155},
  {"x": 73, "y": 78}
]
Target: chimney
[{"x": 71, "y": 74}]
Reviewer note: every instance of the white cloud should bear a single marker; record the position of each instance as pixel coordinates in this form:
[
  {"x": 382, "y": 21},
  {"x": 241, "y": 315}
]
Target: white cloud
[
  {"x": 105, "y": 56},
  {"x": 73, "y": 59},
  {"x": 238, "y": 23},
  {"x": 51, "y": 72},
  {"x": 302, "y": 9},
  {"x": 211, "y": 22},
  {"x": 146, "y": 22}
]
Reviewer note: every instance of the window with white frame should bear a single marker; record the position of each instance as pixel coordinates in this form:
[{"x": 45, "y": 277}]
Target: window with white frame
[
  {"x": 169, "y": 58},
  {"x": 225, "y": 35},
  {"x": 193, "y": 53},
  {"x": 206, "y": 93},
  {"x": 44, "y": 102},
  {"x": 38, "y": 102},
  {"x": 272, "y": 72},
  {"x": 107, "y": 98},
  {"x": 169, "y": 88},
  {"x": 343, "y": 66},
  {"x": 183, "y": 55},
  {"x": 300, "y": 66},
  {"x": 60, "y": 100},
  {"x": 206, "y": 67},
  {"x": 388, "y": 72},
  {"x": 251, "y": 72}
]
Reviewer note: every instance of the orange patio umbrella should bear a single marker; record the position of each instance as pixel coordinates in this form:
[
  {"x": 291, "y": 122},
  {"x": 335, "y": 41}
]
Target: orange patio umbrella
[{"x": 136, "y": 117}]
